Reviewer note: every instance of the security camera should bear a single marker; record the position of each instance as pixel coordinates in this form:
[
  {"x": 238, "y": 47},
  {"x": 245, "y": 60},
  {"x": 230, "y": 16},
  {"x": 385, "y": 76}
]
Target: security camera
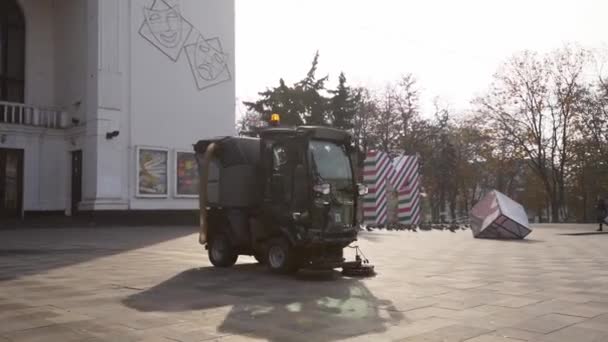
[{"x": 111, "y": 135}]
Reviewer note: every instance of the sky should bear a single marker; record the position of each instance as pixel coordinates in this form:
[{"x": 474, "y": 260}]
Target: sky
[{"x": 452, "y": 47}]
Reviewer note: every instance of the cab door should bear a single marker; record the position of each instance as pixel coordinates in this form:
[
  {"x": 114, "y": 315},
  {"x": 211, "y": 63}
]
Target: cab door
[
  {"x": 280, "y": 176},
  {"x": 278, "y": 183}
]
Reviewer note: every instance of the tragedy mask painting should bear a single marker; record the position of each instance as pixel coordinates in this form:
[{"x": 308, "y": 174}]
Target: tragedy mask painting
[{"x": 208, "y": 62}]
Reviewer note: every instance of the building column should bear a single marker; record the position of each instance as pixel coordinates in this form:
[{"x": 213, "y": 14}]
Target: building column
[{"x": 105, "y": 184}]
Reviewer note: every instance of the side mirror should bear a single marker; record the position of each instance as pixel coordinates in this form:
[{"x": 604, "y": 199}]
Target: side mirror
[
  {"x": 362, "y": 189},
  {"x": 323, "y": 189}
]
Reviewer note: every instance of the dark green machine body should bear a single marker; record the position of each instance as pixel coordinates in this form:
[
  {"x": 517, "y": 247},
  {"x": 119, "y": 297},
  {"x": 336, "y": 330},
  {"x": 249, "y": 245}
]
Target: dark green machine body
[{"x": 287, "y": 196}]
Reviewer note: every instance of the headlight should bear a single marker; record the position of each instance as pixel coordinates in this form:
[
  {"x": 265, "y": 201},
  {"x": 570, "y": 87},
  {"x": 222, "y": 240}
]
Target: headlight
[{"x": 324, "y": 189}]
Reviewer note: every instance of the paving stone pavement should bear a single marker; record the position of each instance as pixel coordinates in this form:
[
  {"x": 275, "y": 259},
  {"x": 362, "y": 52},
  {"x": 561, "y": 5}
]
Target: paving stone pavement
[{"x": 156, "y": 284}]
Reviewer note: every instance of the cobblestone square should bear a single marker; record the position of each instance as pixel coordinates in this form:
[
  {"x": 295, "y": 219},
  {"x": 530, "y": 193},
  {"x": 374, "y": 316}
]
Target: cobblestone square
[{"x": 156, "y": 284}]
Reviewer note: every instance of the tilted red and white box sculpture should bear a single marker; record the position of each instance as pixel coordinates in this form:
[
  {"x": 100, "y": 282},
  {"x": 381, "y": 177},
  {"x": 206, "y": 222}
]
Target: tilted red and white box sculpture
[{"x": 497, "y": 216}]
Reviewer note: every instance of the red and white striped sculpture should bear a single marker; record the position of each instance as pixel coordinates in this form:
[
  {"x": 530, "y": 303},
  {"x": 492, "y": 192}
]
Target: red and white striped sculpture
[
  {"x": 376, "y": 169},
  {"x": 406, "y": 181},
  {"x": 403, "y": 174}
]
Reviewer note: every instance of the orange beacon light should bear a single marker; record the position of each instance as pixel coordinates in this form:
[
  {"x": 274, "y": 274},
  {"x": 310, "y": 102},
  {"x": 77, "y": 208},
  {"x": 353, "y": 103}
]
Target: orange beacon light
[{"x": 275, "y": 119}]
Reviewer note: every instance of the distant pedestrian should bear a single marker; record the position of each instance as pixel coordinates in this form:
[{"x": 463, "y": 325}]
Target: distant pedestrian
[{"x": 602, "y": 212}]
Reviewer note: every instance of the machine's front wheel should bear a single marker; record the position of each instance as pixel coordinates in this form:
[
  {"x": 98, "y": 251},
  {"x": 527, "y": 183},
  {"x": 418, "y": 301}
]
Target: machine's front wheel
[
  {"x": 221, "y": 253},
  {"x": 281, "y": 257}
]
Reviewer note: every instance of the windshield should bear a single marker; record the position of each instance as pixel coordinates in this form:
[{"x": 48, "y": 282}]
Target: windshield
[{"x": 330, "y": 161}]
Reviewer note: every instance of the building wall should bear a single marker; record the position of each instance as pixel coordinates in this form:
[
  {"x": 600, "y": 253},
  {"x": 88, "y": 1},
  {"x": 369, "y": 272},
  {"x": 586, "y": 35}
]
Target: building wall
[
  {"x": 70, "y": 55},
  {"x": 91, "y": 58},
  {"x": 149, "y": 93},
  {"x": 39, "y": 52},
  {"x": 55, "y": 68},
  {"x": 51, "y": 60},
  {"x": 169, "y": 109},
  {"x": 45, "y": 165},
  {"x": 105, "y": 160}
]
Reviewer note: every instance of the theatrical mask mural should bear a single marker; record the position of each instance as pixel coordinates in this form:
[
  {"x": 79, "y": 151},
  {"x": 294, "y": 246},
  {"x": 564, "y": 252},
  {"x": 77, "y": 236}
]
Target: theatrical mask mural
[
  {"x": 208, "y": 62},
  {"x": 166, "y": 29}
]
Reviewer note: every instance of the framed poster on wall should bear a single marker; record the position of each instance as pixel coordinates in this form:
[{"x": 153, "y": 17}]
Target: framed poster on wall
[
  {"x": 186, "y": 174},
  {"x": 152, "y": 172}
]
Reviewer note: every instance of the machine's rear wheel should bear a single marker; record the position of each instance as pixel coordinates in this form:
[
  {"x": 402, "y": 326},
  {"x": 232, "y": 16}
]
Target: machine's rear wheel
[
  {"x": 221, "y": 253},
  {"x": 281, "y": 257}
]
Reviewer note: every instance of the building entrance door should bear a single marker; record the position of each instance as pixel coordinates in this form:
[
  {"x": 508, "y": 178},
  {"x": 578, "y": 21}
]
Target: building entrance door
[
  {"x": 76, "y": 180},
  {"x": 11, "y": 183}
]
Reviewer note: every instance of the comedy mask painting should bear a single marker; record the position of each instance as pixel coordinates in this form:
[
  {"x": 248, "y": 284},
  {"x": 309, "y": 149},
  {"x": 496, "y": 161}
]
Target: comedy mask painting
[
  {"x": 208, "y": 62},
  {"x": 165, "y": 28}
]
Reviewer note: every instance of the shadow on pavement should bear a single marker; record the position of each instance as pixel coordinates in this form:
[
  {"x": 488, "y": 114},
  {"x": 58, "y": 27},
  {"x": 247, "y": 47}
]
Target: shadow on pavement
[
  {"x": 585, "y": 233},
  {"x": 324, "y": 306},
  {"x": 523, "y": 241},
  {"x": 32, "y": 251}
]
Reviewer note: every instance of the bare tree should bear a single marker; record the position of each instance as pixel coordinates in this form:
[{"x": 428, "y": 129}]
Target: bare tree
[
  {"x": 250, "y": 121},
  {"x": 362, "y": 121},
  {"x": 385, "y": 126},
  {"x": 406, "y": 99},
  {"x": 587, "y": 174},
  {"x": 533, "y": 101}
]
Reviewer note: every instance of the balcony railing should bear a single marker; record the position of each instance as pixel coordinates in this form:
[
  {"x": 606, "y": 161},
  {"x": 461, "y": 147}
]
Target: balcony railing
[{"x": 22, "y": 114}]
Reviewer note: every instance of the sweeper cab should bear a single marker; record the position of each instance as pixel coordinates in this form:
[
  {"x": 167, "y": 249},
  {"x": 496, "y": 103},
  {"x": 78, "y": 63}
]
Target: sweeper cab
[{"x": 286, "y": 196}]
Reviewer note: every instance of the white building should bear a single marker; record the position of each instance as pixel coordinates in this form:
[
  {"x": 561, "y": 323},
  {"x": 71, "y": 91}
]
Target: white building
[{"x": 99, "y": 97}]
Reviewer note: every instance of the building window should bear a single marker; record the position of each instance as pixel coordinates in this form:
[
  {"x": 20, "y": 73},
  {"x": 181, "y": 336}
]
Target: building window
[{"x": 12, "y": 52}]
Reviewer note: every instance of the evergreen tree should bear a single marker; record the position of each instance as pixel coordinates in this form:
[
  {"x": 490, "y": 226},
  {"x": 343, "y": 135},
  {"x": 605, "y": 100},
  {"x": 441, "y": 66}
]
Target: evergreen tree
[
  {"x": 308, "y": 93},
  {"x": 343, "y": 105},
  {"x": 300, "y": 104},
  {"x": 282, "y": 100}
]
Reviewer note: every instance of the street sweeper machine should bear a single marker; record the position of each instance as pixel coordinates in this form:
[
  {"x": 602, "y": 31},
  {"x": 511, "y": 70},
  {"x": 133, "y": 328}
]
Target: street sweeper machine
[{"x": 287, "y": 196}]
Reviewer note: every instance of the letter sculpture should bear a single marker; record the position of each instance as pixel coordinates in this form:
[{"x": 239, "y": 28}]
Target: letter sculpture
[{"x": 403, "y": 174}]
